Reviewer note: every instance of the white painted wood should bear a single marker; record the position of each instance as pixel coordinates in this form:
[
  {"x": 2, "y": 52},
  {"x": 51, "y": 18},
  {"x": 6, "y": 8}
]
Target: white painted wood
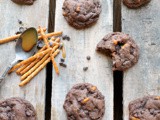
[
  {"x": 82, "y": 44},
  {"x": 34, "y": 15},
  {"x": 144, "y": 78}
]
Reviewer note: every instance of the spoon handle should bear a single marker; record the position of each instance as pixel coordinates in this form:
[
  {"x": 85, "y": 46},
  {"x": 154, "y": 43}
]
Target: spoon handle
[{"x": 7, "y": 70}]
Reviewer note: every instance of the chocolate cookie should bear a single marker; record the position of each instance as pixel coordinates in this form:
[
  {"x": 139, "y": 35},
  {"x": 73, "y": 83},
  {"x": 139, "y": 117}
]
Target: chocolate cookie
[
  {"x": 122, "y": 48},
  {"x": 24, "y": 2},
  {"x": 81, "y": 13},
  {"x": 146, "y": 108},
  {"x": 84, "y": 102},
  {"x": 135, "y": 3},
  {"x": 16, "y": 109}
]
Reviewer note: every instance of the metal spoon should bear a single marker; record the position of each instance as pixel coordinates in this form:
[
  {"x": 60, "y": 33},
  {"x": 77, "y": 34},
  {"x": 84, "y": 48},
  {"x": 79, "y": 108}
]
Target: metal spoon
[{"x": 20, "y": 53}]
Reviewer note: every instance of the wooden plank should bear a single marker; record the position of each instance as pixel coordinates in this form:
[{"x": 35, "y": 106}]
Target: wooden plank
[
  {"x": 143, "y": 79},
  {"x": 34, "y": 15},
  {"x": 82, "y": 44}
]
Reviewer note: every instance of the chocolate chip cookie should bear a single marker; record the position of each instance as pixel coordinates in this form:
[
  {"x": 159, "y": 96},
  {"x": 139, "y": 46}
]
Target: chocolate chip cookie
[
  {"x": 24, "y": 2},
  {"x": 84, "y": 102},
  {"x": 122, "y": 49},
  {"x": 16, "y": 109},
  {"x": 135, "y": 3},
  {"x": 146, "y": 108},
  {"x": 81, "y": 13}
]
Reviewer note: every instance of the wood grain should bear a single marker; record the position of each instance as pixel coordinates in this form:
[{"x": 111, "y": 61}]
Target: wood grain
[
  {"x": 83, "y": 43},
  {"x": 34, "y": 15},
  {"x": 144, "y": 78}
]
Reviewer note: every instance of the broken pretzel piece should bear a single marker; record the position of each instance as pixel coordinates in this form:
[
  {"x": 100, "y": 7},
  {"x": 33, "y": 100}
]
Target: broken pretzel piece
[
  {"x": 134, "y": 118},
  {"x": 85, "y": 100}
]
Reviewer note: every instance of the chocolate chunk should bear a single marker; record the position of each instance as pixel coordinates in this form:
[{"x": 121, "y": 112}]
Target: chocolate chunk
[
  {"x": 135, "y": 3},
  {"x": 84, "y": 103},
  {"x": 81, "y": 13},
  {"x": 146, "y": 108},
  {"x": 88, "y": 57},
  {"x": 17, "y": 109},
  {"x": 24, "y": 2},
  {"x": 121, "y": 48}
]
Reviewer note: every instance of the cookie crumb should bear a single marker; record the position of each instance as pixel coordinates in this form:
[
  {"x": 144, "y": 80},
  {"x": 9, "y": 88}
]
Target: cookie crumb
[{"x": 85, "y": 68}]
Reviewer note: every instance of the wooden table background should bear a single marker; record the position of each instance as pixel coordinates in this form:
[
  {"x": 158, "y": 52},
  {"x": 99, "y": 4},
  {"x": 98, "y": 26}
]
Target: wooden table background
[{"x": 142, "y": 79}]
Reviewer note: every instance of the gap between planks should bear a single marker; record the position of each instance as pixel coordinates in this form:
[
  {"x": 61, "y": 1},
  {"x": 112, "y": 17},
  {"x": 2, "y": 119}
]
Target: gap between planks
[
  {"x": 51, "y": 23},
  {"x": 117, "y": 75}
]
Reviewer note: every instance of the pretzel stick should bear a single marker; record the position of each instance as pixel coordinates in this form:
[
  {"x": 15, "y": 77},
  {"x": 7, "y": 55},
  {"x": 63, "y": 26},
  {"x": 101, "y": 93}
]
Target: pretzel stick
[
  {"x": 35, "y": 67},
  {"x": 44, "y": 37},
  {"x": 28, "y": 79},
  {"x": 28, "y": 67},
  {"x": 38, "y": 55},
  {"x": 11, "y": 38},
  {"x": 22, "y": 68},
  {"x": 51, "y": 34}
]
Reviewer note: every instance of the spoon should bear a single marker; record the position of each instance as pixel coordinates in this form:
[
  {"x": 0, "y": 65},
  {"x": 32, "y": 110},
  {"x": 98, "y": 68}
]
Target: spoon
[{"x": 25, "y": 47}]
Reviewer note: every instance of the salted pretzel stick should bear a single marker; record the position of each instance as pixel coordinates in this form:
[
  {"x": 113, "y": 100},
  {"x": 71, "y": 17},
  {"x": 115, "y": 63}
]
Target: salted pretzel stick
[
  {"x": 11, "y": 38},
  {"x": 45, "y": 39},
  {"x": 35, "y": 67},
  {"x": 28, "y": 79},
  {"x": 22, "y": 68},
  {"x": 28, "y": 67},
  {"x": 52, "y": 34},
  {"x": 33, "y": 74},
  {"x": 36, "y": 56}
]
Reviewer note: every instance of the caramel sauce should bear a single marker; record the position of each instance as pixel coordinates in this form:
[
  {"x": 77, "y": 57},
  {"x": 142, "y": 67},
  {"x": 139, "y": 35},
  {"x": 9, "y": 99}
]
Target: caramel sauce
[{"x": 28, "y": 40}]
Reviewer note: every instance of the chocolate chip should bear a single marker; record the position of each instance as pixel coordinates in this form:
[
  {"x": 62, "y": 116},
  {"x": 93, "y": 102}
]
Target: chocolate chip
[
  {"x": 19, "y": 21},
  {"x": 88, "y": 57},
  {"x": 66, "y": 37},
  {"x": 62, "y": 60},
  {"x": 85, "y": 68},
  {"x": 153, "y": 43},
  {"x": 63, "y": 65}
]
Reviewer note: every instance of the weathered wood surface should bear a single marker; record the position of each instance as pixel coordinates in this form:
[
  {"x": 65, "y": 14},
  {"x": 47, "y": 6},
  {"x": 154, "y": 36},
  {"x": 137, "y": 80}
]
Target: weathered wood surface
[
  {"x": 144, "y": 78},
  {"x": 82, "y": 44},
  {"x": 31, "y": 16}
]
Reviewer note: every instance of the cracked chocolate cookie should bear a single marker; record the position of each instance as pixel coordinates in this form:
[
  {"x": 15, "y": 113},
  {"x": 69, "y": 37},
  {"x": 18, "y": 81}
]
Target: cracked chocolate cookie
[
  {"x": 81, "y": 13},
  {"x": 122, "y": 49},
  {"x": 135, "y": 3},
  {"x": 146, "y": 108},
  {"x": 84, "y": 102},
  {"x": 16, "y": 109},
  {"x": 24, "y": 2}
]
